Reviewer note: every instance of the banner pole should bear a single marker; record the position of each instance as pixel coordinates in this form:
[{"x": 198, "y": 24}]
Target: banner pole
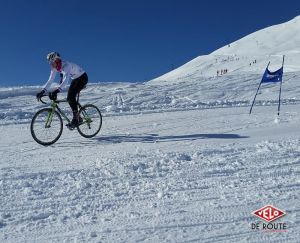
[
  {"x": 257, "y": 91},
  {"x": 254, "y": 98},
  {"x": 279, "y": 99}
]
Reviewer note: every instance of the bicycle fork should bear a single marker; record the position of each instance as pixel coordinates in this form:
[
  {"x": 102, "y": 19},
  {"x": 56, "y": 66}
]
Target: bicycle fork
[{"x": 50, "y": 116}]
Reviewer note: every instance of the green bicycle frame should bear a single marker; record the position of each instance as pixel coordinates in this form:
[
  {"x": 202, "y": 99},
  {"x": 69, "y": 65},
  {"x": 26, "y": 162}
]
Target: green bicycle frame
[{"x": 54, "y": 106}]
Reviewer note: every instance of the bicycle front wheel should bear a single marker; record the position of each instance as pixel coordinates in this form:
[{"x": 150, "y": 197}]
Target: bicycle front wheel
[
  {"x": 92, "y": 121},
  {"x": 46, "y": 126}
]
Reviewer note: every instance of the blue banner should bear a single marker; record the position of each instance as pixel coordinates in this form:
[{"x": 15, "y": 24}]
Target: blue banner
[{"x": 272, "y": 77}]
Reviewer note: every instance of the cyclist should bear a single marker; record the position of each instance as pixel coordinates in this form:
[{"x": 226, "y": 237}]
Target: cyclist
[{"x": 67, "y": 71}]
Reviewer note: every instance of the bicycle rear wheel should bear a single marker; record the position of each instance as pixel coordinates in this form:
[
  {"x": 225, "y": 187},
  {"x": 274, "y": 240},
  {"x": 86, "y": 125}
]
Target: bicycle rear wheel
[
  {"x": 46, "y": 126},
  {"x": 92, "y": 121}
]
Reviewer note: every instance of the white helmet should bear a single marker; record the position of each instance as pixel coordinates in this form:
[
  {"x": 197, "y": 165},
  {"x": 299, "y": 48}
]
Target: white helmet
[{"x": 52, "y": 56}]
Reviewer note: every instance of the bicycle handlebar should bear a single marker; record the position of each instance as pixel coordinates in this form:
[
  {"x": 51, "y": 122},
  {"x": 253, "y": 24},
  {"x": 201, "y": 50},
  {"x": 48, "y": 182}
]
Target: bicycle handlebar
[
  {"x": 57, "y": 101},
  {"x": 41, "y": 99}
]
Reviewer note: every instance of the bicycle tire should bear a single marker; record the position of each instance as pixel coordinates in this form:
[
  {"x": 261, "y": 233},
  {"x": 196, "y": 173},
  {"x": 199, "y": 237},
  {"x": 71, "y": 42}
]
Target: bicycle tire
[
  {"x": 92, "y": 112},
  {"x": 35, "y": 121}
]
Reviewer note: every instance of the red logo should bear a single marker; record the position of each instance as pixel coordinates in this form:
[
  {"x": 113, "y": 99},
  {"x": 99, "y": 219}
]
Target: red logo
[{"x": 268, "y": 213}]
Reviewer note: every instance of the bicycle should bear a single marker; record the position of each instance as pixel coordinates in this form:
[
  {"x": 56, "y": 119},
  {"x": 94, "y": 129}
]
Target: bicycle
[{"x": 47, "y": 124}]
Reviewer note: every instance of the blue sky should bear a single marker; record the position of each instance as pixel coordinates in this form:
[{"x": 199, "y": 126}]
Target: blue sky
[{"x": 124, "y": 40}]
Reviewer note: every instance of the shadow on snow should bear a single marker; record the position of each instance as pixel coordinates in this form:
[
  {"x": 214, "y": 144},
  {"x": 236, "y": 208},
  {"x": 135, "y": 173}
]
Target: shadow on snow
[{"x": 152, "y": 138}]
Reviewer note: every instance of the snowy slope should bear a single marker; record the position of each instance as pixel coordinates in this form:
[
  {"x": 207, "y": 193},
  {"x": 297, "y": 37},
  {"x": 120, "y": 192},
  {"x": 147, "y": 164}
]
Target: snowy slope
[
  {"x": 250, "y": 54},
  {"x": 178, "y": 160},
  {"x": 159, "y": 177},
  {"x": 281, "y": 39},
  {"x": 173, "y": 163},
  {"x": 18, "y": 104}
]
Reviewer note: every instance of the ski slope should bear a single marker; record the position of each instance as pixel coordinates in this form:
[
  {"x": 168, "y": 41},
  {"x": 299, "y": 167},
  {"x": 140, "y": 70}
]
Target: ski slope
[
  {"x": 161, "y": 170},
  {"x": 249, "y": 55},
  {"x": 178, "y": 159}
]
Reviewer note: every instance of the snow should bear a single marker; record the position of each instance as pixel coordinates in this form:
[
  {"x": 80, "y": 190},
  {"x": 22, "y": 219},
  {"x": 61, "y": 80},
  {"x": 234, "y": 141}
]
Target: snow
[
  {"x": 250, "y": 54},
  {"x": 178, "y": 159}
]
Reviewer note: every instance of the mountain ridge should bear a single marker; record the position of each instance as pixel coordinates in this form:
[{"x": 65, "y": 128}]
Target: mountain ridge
[{"x": 249, "y": 54}]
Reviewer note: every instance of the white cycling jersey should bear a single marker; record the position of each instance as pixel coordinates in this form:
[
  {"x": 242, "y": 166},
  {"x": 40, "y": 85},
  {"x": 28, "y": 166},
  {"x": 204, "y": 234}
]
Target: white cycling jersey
[{"x": 69, "y": 71}]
